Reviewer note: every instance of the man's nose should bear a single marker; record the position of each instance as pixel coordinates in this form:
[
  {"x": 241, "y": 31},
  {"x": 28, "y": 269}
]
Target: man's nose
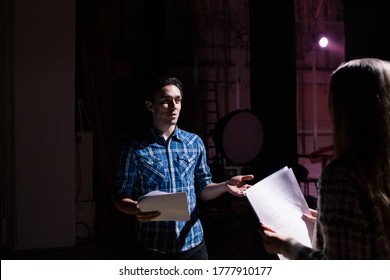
[{"x": 172, "y": 103}]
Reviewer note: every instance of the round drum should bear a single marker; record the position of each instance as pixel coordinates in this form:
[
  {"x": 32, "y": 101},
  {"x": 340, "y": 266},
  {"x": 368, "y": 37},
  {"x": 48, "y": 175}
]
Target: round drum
[{"x": 238, "y": 136}]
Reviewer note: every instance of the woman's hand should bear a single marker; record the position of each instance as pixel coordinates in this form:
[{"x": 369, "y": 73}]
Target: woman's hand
[
  {"x": 312, "y": 217},
  {"x": 271, "y": 239}
]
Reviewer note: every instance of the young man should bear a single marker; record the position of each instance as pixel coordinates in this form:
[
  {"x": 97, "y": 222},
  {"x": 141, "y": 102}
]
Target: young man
[{"x": 171, "y": 160}]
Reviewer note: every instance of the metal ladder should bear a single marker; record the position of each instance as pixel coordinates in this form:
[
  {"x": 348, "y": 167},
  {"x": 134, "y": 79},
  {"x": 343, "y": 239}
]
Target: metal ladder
[{"x": 210, "y": 106}]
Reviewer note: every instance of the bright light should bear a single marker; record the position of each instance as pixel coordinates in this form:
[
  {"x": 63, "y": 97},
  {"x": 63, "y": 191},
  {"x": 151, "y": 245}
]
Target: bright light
[{"x": 323, "y": 42}]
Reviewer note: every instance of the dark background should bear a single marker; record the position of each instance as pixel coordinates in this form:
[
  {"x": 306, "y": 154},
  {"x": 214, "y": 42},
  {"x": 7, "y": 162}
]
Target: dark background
[{"x": 120, "y": 45}]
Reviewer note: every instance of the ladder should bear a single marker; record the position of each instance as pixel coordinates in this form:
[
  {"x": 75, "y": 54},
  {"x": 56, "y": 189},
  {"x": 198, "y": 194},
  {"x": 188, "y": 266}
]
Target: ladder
[{"x": 211, "y": 116}]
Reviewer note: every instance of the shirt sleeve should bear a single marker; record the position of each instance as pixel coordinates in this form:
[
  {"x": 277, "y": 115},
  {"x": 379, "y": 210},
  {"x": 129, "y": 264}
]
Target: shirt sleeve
[
  {"x": 343, "y": 227},
  {"x": 202, "y": 170},
  {"x": 126, "y": 174},
  {"x": 344, "y": 222}
]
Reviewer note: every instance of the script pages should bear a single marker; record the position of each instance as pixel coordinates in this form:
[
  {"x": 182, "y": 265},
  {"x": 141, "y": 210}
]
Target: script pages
[
  {"x": 172, "y": 206},
  {"x": 279, "y": 203}
]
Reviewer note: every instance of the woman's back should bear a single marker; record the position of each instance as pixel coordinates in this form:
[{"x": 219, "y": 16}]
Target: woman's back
[{"x": 350, "y": 224}]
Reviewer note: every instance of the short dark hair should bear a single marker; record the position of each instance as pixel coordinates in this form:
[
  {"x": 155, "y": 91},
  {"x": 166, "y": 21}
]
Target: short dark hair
[{"x": 157, "y": 84}]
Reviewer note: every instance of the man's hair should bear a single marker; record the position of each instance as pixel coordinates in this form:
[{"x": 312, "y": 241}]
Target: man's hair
[{"x": 157, "y": 84}]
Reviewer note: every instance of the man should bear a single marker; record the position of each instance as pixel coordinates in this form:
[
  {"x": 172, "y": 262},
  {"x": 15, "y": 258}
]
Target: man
[{"x": 171, "y": 160}]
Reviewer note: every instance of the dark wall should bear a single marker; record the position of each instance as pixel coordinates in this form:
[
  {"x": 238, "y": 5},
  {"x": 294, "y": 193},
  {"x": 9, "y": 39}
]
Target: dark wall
[
  {"x": 367, "y": 29},
  {"x": 152, "y": 39},
  {"x": 273, "y": 85}
]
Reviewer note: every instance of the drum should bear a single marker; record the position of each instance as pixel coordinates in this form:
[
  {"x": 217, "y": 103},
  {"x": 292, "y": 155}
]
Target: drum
[{"x": 238, "y": 137}]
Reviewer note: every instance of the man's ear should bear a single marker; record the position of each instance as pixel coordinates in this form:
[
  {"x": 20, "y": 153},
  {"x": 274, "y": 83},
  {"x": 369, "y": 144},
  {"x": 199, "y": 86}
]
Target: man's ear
[{"x": 149, "y": 105}]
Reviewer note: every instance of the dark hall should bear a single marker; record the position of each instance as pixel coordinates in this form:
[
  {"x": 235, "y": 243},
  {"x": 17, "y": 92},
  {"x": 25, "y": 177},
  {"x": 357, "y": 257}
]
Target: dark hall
[{"x": 73, "y": 73}]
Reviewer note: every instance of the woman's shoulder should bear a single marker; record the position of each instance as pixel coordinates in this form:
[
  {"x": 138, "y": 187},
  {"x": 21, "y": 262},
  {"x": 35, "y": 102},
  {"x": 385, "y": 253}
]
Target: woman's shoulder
[
  {"x": 338, "y": 173},
  {"x": 337, "y": 166}
]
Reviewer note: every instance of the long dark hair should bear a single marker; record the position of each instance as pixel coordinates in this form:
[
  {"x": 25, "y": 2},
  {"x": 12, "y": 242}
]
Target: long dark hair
[{"x": 359, "y": 104}]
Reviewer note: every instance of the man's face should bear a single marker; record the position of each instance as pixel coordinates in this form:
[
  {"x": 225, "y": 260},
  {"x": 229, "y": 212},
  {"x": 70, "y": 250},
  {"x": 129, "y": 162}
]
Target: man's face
[{"x": 166, "y": 107}]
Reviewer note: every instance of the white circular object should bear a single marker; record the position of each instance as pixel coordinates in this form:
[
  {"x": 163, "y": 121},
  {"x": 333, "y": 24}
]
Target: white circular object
[{"x": 240, "y": 137}]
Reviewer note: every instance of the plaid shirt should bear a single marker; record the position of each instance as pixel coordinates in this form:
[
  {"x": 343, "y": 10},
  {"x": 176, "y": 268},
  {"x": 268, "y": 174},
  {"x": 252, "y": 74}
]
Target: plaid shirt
[{"x": 176, "y": 165}]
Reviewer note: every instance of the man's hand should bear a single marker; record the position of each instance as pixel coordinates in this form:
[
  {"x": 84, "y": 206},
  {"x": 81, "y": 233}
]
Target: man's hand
[
  {"x": 146, "y": 216},
  {"x": 237, "y": 185},
  {"x": 130, "y": 207}
]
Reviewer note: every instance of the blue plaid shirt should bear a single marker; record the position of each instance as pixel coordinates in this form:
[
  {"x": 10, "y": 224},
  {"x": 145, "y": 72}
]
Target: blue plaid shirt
[{"x": 176, "y": 165}]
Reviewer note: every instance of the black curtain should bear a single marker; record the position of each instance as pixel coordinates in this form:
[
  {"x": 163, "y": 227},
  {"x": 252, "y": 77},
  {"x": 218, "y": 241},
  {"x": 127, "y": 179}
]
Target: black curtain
[
  {"x": 273, "y": 83},
  {"x": 367, "y": 29},
  {"x": 94, "y": 87}
]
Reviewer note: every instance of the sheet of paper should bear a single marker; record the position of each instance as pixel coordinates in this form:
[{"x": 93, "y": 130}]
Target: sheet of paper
[
  {"x": 172, "y": 206},
  {"x": 279, "y": 203}
]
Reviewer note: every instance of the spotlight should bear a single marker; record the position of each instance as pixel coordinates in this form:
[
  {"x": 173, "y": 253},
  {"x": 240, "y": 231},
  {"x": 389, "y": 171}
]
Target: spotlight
[{"x": 323, "y": 42}]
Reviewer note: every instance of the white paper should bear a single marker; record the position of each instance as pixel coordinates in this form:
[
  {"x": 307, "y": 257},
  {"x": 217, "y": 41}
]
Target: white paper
[
  {"x": 172, "y": 206},
  {"x": 279, "y": 203}
]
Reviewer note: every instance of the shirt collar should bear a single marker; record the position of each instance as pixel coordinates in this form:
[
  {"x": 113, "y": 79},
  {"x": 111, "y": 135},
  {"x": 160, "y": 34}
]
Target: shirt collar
[{"x": 176, "y": 134}]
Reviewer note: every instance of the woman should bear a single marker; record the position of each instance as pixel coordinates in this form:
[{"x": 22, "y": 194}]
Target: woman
[{"x": 353, "y": 219}]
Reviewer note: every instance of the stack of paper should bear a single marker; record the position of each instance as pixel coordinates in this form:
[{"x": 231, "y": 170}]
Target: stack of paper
[
  {"x": 172, "y": 206},
  {"x": 279, "y": 203}
]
